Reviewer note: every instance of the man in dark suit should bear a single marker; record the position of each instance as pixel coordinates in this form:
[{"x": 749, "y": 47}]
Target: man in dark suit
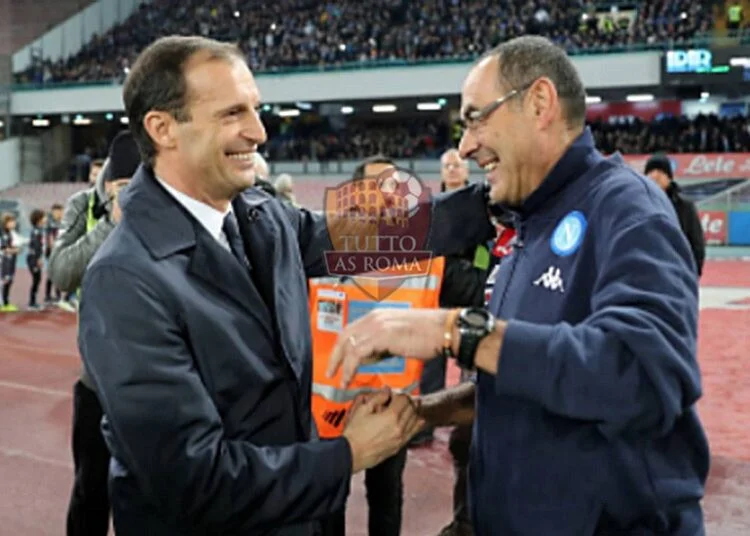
[{"x": 194, "y": 323}]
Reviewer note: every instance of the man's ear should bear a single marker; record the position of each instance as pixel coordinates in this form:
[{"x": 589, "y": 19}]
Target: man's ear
[
  {"x": 544, "y": 101},
  {"x": 160, "y": 126}
]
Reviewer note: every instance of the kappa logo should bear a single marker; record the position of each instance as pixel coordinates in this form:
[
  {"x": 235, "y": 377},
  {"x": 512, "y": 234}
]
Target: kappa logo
[{"x": 551, "y": 280}]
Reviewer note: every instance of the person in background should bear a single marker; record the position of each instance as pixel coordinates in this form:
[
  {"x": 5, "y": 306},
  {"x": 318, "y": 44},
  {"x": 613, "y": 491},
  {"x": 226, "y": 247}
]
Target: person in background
[
  {"x": 659, "y": 169},
  {"x": 454, "y": 173},
  {"x": 261, "y": 173},
  {"x": 54, "y": 220},
  {"x": 35, "y": 255},
  {"x": 70, "y": 301},
  {"x": 384, "y": 484},
  {"x": 96, "y": 168},
  {"x": 90, "y": 216},
  {"x": 465, "y": 277},
  {"x": 261, "y": 170},
  {"x": 285, "y": 189},
  {"x": 8, "y": 256}
]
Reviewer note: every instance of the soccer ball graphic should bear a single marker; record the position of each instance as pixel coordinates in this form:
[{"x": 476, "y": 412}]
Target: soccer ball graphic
[{"x": 403, "y": 184}]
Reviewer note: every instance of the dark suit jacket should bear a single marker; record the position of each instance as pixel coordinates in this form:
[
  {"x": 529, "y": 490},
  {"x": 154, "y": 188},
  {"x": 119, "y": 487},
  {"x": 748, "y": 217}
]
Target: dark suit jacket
[{"x": 205, "y": 389}]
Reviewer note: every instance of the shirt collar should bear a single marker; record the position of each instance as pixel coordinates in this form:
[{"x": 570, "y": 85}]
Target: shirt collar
[{"x": 211, "y": 219}]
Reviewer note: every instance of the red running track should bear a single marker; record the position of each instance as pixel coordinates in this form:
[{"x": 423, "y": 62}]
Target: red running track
[{"x": 39, "y": 362}]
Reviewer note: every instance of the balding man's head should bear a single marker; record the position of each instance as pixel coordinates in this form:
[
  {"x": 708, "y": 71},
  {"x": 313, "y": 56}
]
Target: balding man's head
[
  {"x": 522, "y": 104},
  {"x": 454, "y": 171}
]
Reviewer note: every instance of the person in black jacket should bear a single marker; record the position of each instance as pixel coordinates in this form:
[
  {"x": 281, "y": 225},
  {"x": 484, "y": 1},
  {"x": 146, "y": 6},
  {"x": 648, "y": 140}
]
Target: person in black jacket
[
  {"x": 8, "y": 256},
  {"x": 35, "y": 256},
  {"x": 465, "y": 275},
  {"x": 463, "y": 285},
  {"x": 659, "y": 169}
]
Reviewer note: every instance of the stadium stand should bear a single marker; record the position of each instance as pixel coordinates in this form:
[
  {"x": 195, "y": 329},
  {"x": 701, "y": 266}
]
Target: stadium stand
[
  {"x": 299, "y": 33},
  {"x": 318, "y": 140},
  {"x": 701, "y": 134},
  {"x": 399, "y": 139},
  {"x": 427, "y": 139}
]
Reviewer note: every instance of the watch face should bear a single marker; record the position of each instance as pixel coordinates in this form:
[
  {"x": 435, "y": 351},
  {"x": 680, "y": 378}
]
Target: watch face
[{"x": 475, "y": 318}]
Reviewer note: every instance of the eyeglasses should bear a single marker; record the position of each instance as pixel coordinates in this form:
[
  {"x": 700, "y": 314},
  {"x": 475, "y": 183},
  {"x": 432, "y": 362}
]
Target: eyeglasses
[{"x": 474, "y": 118}]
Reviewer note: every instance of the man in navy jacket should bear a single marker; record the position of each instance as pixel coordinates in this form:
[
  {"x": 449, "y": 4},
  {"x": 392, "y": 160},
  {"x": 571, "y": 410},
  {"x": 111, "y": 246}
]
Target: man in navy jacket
[{"x": 584, "y": 417}]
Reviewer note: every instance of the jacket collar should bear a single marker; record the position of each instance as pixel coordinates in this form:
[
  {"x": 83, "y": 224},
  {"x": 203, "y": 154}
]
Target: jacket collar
[
  {"x": 169, "y": 227},
  {"x": 165, "y": 227}
]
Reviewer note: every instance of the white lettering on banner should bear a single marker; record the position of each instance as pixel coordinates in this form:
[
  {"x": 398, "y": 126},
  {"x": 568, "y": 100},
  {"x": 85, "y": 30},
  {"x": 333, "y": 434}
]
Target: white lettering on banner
[
  {"x": 702, "y": 165},
  {"x": 711, "y": 225},
  {"x": 714, "y": 224}
]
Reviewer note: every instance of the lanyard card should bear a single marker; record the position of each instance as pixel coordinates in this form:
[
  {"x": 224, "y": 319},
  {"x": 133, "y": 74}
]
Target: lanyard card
[
  {"x": 389, "y": 365},
  {"x": 332, "y": 310}
]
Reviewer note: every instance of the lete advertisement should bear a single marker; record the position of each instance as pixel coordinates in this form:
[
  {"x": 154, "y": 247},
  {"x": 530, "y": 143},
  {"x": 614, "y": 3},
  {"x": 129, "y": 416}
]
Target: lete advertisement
[
  {"x": 689, "y": 166},
  {"x": 714, "y": 223}
]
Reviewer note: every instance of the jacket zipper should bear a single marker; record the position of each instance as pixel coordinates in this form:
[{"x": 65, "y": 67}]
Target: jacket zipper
[{"x": 518, "y": 250}]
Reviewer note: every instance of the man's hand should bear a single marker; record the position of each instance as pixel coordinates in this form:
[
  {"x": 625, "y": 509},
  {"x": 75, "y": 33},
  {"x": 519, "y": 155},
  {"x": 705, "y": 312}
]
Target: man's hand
[
  {"x": 415, "y": 333},
  {"x": 379, "y": 426},
  {"x": 450, "y": 407}
]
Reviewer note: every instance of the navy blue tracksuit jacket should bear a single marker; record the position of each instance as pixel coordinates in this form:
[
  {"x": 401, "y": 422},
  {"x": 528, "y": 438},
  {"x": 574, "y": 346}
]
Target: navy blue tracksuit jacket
[{"x": 589, "y": 425}]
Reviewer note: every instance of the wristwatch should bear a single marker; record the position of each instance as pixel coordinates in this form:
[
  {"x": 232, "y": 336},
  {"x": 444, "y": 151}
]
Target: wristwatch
[{"x": 474, "y": 324}]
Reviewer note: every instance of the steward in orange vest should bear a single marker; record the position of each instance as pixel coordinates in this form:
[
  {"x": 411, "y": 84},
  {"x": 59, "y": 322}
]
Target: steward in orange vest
[{"x": 336, "y": 301}]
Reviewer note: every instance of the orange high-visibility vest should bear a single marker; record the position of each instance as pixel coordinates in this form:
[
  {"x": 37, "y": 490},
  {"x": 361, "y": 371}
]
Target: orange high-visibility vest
[{"x": 334, "y": 302}]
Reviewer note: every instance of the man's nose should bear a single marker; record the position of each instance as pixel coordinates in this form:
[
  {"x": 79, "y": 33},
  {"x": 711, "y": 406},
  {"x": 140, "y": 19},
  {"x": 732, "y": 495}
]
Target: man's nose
[
  {"x": 468, "y": 144},
  {"x": 255, "y": 130}
]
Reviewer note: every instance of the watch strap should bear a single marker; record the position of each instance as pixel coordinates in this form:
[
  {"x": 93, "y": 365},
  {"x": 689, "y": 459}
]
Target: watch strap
[
  {"x": 467, "y": 350},
  {"x": 470, "y": 339}
]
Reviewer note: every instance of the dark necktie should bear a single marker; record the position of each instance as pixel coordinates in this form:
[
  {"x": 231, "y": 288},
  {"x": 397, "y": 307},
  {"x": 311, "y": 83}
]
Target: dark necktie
[{"x": 232, "y": 232}]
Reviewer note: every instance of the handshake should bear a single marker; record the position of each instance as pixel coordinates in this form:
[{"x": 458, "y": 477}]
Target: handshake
[{"x": 379, "y": 425}]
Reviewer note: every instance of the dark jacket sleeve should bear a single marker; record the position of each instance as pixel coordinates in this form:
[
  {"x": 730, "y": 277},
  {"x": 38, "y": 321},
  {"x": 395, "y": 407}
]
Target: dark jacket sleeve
[
  {"x": 691, "y": 226},
  {"x": 168, "y": 433},
  {"x": 463, "y": 283},
  {"x": 632, "y": 363},
  {"x": 313, "y": 237},
  {"x": 459, "y": 221}
]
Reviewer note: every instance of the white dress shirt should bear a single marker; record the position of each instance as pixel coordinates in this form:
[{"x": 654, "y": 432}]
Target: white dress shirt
[{"x": 211, "y": 219}]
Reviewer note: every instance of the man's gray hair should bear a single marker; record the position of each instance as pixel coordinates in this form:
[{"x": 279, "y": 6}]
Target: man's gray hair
[{"x": 525, "y": 59}]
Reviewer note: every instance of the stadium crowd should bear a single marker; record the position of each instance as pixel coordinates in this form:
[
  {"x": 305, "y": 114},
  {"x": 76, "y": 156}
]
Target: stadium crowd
[
  {"x": 700, "y": 134},
  {"x": 426, "y": 139},
  {"x": 294, "y": 33},
  {"x": 407, "y": 139}
]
